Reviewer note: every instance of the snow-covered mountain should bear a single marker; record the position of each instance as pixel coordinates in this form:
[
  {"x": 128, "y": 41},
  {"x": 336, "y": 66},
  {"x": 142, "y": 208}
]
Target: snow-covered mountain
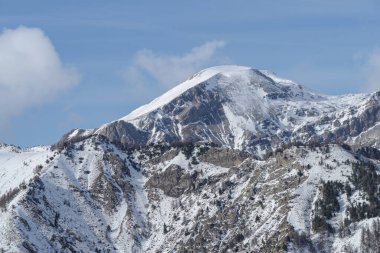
[
  {"x": 246, "y": 109},
  {"x": 234, "y": 159}
]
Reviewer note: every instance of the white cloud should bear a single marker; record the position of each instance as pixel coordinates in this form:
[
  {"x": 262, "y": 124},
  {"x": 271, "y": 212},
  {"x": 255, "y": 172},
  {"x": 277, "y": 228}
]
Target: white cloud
[
  {"x": 170, "y": 70},
  {"x": 372, "y": 71},
  {"x": 31, "y": 72}
]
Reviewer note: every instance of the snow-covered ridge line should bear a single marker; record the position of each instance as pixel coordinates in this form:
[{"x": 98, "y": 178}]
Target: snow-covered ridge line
[{"x": 12, "y": 148}]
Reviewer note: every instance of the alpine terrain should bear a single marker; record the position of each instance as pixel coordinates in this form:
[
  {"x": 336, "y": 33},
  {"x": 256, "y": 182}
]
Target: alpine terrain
[{"x": 234, "y": 159}]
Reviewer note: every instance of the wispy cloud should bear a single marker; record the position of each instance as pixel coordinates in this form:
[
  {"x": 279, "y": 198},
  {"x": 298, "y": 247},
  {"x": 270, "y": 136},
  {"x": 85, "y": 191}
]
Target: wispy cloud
[
  {"x": 169, "y": 70},
  {"x": 31, "y": 72}
]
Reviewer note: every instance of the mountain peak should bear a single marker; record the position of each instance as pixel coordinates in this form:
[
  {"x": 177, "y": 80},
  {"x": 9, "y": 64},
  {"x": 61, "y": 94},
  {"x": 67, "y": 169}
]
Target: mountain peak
[
  {"x": 238, "y": 107},
  {"x": 194, "y": 80},
  {"x": 226, "y": 71},
  {"x": 222, "y": 69}
]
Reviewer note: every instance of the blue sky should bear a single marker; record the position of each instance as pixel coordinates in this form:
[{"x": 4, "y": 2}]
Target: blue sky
[{"x": 112, "y": 56}]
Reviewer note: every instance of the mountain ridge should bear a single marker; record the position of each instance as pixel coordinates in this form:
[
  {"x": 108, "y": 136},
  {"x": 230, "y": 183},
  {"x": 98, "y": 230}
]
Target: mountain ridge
[{"x": 237, "y": 106}]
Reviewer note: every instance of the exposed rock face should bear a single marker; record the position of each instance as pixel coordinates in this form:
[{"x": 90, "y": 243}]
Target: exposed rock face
[
  {"x": 223, "y": 157},
  {"x": 174, "y": 181},
  {"x": 125, "y": 133}
]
